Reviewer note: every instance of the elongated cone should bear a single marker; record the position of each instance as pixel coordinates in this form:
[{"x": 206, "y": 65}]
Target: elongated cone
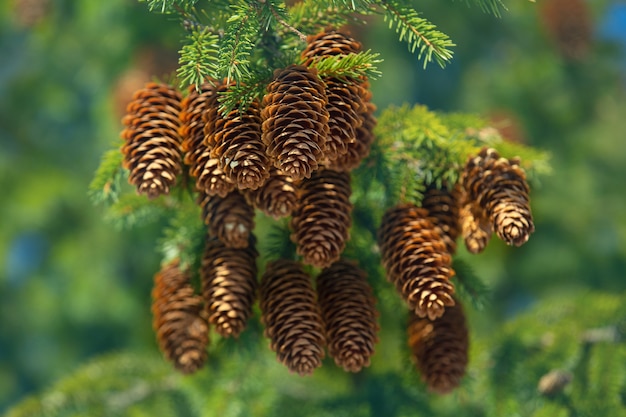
[
  {"x": 229, "y": 285},
  {"x": 178, "y": 319},
  {"x": 349, "y": 311},
  {"x": 277, "y": 197},
  {"x": 416, "y": 260},
  {"x": 152, "y": 149},
  {"x": 210, "y": 179},
  {"x": 498, "y": 185},
  {"x": 322, "y": 220},
  {"x": 443, "y": 206},
  {"x": 475, "y": 227},
  {"x": 230, "y": 219},
  {"x": 239, "y": 148},
  {"x": 439, "y": 348},
  {"x": 295, "y": 121},
  {"x": 291, "y": 316}
]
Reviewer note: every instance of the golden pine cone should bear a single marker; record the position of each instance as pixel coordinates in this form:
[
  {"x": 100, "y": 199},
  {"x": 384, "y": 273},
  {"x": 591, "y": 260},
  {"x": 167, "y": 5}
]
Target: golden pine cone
[
  {"x": 210, "y": 179},
  {"x": 498, "y": 185},
  {"x": 152, "y": 149},
  {"x": 443, "y": 206},
  {"x": 439, "y": 348},
  {"x": 569, "y": 25},
  {"x": 230, "y": 219},
  {"x": 475, "y": 227},
  {"x": 291, "y": 316},
  {"x": 239, "y": 148},
  {"x": 416, "y": 260},
  {"x": 295, "y": 121},
  {"x": 178, "y": 319},
  {"x": 349, "y": 311},
  {"x": 321, "y": 222},
  {"x": 277, "y": 197},
  {"x": 229, "y": 285},
  {"x": 329, "y": 43},
  {"x": 212, "y": 117}
]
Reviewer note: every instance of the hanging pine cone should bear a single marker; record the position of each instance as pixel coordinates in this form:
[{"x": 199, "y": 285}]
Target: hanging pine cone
[
  {"x": 152, "y": 148},
  {"x": 475, "y": 227},
  {"x": 439, "y": 348},
  {"x": 416, "y": 260},
  {"x": 239, "y": 148},
  {"x": 295, "y": 121},
  {"x": 277, "y": 197},
  {"x": 364, "y": 138},
  {"x": 210, "y": 179},
  {"x": 329, "y": 43},
  {"x": 349, "y": 311},
  {"x": 322, "y": 219},
  {"x": 568, "y": 23},
  {"x": 498, "y": 186},
  {"x": 230, "y": 219},
  {"x": 291, "y": 316},
  {"x": 178, "y": 319},
  {"x": 229, "y": 285},
  {"x": 443, "y": 208}
]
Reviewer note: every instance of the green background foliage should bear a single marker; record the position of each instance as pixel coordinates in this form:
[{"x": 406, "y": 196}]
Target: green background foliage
[{"x": 75, "y": 331}]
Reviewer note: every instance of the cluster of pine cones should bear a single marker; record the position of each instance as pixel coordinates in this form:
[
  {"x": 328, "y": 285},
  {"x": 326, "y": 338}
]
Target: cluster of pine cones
[{"x": 291, "y": 155}]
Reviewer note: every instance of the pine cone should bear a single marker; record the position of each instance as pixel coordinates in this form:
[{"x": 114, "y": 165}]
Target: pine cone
[
  {"x": 210, "y": 179},
  {"x": 416, "y": 260},
  {"x": 291, "y": 316},
  {"x": 229, "y": 285},
  {"x": 569, "y": 25},
  {"x": 152, "y": 148},
  {"x": 230, "y": 219},
  {"x": 180, "y": 324},
  {"x": 277, "y": 197},
  {"x": 322, "y": 218},
  {"x": 443, "y": 208},
  {"x": 239, "y": 148},
  {"x": 439, "y": 348},
  {"x": 329, "y": 43},
  {"x": 475, "y": 227},
  {"x": 498, "y": 186},
  {"x": 295, "y": 121},
  {"x": 349, "y": 311}
]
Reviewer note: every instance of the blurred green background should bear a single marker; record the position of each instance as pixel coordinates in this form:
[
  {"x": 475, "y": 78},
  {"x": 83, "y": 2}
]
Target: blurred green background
[{"x": 73, "y": 288}]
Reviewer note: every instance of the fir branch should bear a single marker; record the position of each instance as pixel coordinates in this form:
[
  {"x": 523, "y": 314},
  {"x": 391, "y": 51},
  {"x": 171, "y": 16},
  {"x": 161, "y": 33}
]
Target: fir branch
[
  {"x": 349, "y": 66},
  {"x": 131, "y": 210},
  {"x": 354, "y": 5},
  {"x": 418, "y": 32},
  {"x": 469, "y": 286},
  {"x": 198, "y": 58},
  {"x": 490, "y": 6},
  {"x": 245, "y": 91},
  {"x": 169, "y": 6},
  {"x": 311, "y": 16},
  {"x": 273, "y": 11},
  {"x": 184, "y": 237},
  {"x": 106, "y": 184},
  {"x": 238, "y": 42}
]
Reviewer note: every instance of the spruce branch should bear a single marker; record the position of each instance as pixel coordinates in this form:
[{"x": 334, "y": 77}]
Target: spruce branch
[
  {"x": 311, "y": 16},
  {"x": 131, "y": 210},
  {"x": 469, "y": 285},
  {"x": 419, "y": 33},
  {"x": 106, "y": 183},
  {"x": 271, "y": 10},
  {"x": 184, "y": 237},
  {"x": 169, "y": 6},
  {"x": 239, "y": 39},
  {"x": 349, "y": 66},
  {"x": 490, "y": 6},
  {"x": 198, "y": 58}
]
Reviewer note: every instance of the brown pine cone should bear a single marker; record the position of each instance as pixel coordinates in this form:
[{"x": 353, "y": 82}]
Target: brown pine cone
[
  {"x": 291, "y": 316},
  {"x": 239, "y": 148},
  {"x": 295, "y": 121},
  {"x": 277, "y": 197},
  {"x": 229, "y": 285},
  {"x": 210, "y": 179},
  {"x": 178, "y": 319},
  {"x": 439, "y": 348},
  {"x": 349, "y": 311},
  {"x": 230, "y": 219},
  {"x": 321, "y": 222},
  {"x": 475, "y": 227},
  {"x": 416, "y": 260},
  {"x": 152, "y": 149},
  {"x": 329, "y": 43},
  {"x": 443, "y": 208},
  {"x": 498, "y": 186}
]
